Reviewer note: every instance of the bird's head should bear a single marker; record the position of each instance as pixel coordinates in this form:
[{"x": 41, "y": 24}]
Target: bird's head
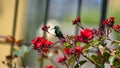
[{"x": 56, "y": 27}]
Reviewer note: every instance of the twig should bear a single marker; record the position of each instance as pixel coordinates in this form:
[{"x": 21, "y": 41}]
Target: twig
[
  {"x": 66, "y": 64},
  {"x": 54, "y": 44},
  {"x": 91, "y": 60},
  {"x": 78, "y": 63},
  {"x": 80, "y": 26}
]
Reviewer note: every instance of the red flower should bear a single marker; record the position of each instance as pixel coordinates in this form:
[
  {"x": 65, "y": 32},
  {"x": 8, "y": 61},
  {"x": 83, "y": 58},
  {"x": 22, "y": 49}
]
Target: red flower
[
  {"x": 61, "y": 59},
  {"x": 34, "y": 41},
  {"x": 87, "y": 34},
  {"x": 48, "y": 43},
  {"x": 76, "y": 21},
  {"x": 108, "y": 22},
  {"x": 67, "y": 51},
  {"x": 40, "y": 42},
  {"x": 50, "y": 66},
  {"x": 45, "y": 28},
  {"x": 78, "y": 38},
  {"x": 111, "y": 19},
  {"x": 95, "y": 32},
  {"x": 105, "y": 22},
  {"x": 116, "y": 27},
  {"x": 73, "y": 51},
  {"x": 78, "y": 48},
  {"x": 38, "y": 45}
]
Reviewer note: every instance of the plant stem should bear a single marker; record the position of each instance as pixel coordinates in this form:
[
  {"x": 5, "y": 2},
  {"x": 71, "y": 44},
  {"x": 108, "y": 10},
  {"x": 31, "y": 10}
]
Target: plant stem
[
  {"x": 80, "y": 25},
  {"x": 78, "y": 63},
  {"x": 91, "y": 60},
  {"x": 66, "y": 64},
  {"x": 54, "y": 44}
]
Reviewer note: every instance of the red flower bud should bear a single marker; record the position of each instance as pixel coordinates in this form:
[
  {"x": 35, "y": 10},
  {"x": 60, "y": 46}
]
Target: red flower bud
[
  {"x": 50, "y": 66},
  {"x": 45, "y": 28},
  {"x": 67, "y": 50},
  {"x": 105, "y": 22},
  {"x": 74, "y": 21},
  {"x": 108, "y": 22},
  {"x": 78, "y": 19},
  {"x": 78, "y": 48},
  {"x": 61, "y": 59},
  {"x": 116, "y": 28},
  {"x": 111, "y": 19}
]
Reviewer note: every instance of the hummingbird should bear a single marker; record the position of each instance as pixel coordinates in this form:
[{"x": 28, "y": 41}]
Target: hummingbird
[{"x": 58, "y": 32}]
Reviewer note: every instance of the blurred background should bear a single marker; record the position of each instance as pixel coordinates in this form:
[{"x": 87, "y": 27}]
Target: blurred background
[{"x": 31, "y": 15}]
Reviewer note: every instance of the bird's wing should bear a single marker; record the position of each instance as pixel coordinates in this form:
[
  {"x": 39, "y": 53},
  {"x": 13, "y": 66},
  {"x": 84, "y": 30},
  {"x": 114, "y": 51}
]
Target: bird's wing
[{"x": 59, "y": 34}]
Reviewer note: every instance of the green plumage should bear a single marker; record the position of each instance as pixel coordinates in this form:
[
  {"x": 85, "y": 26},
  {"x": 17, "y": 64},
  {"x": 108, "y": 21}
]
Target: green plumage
[{"x": 58, "y": 32}]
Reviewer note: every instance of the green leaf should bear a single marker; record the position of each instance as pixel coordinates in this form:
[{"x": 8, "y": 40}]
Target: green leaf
[
  {"x": 95, "y": 60},
  {"x": 78, "y": 43},
  {"x": 118, "y": 47},
  {"x": 111, "y": 59},
  {"x": 116, "y": 64},
  {"x": 115, "y": 42},
  {"x": 103, "y": 38},
  {"x": 76, "y": 66},
  {"x": 96, "y": 42},
  {"x": 72, "y": 60},
  {"x": 71, "y": 37},
  {"x": 82, "y": 62},
  {"x": 86, "y": 46},
  {"x": 85, "y": 51},
  {"x": 67, "y": 45},
  {"x": 106, "y": 55},
  {"x": 93, "y": 57}
]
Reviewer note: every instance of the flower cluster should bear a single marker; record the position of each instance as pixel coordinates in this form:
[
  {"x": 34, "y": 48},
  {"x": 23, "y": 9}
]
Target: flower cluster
[
  {"x": 72, "y": 47},
  {"x": 41, "y": 43},
  {"x": 109, "y": 22},
  {"x": 76, "y": 21},
  {"x": 85, "y": 35},
  {"x": 45, "y": 28},
  {"x": 78, "y": 49},
  {"x": 72, "y": 51},
  {"x": 116, "y": 28},
  {"x": 75, "y": 46}
]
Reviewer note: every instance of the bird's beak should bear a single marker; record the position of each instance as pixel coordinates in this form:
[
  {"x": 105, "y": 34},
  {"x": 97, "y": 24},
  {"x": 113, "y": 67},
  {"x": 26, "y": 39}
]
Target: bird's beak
[{"x": 51, "y": 28}]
